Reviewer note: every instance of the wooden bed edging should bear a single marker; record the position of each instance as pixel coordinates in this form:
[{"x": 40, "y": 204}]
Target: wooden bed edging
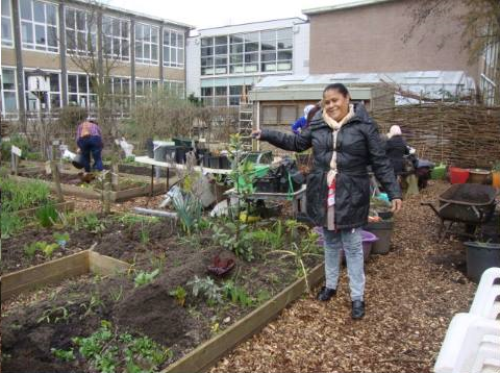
[
  {"x": 64, "y": 207},
  {"x": 120, "y": 196},
  {"x": 212, "y": 350},
  {"x": 57, "y": 270}
]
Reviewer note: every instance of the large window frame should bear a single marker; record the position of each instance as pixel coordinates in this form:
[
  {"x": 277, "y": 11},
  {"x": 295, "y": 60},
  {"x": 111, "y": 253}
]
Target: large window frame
[
  {"x": 146, "y": 44},
  {"x": 81, "y": 31},
  {"x": 7, "y": 36},
  {"x": 176, "y": 88},
  {"x": 52, "y": 100},
  {"x": 116, "y": 38},
  {"x": 173, "y": 48},
  {"x": 146, "y": 87},
  {"x": 257, "y": 52},
  {"x": 224, "y": 95},
  {"x": 39, "y": 25},
  {"x": 80, "y": 90},
  {"x": 119, "y": 89},
  {"x": 9, "y": 91}
]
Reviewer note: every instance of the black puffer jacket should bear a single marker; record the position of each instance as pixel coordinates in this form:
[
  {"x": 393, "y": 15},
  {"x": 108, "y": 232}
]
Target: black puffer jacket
[
  {"x": 358, "y": 145},
  {"x": 396, "y": 149}
]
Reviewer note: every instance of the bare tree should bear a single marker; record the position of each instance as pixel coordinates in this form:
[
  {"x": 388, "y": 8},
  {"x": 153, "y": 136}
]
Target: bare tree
[{"x": 480, "y": 22}]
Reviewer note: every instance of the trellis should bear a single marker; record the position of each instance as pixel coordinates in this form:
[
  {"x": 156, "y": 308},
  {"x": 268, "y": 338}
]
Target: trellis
[{"x": 455, "y": 134}]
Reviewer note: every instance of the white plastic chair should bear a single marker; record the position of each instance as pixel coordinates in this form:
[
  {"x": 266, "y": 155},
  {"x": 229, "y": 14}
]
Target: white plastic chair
[
  {"x": 472, "y": 345},
  {"x": 487, "y": 299}
]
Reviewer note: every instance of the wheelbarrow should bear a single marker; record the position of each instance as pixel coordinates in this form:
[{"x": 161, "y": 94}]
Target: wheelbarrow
[{"x": 471, "y": 204}]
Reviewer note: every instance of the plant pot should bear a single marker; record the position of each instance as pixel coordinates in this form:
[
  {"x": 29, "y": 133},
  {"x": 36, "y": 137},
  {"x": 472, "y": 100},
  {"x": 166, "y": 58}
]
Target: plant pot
[
  {"x": 161, "y": 152},
  {"x": 438, "y": 172},
  {"x": 495, "y": 179},
  {"x": 368, "y": 240},
  {"x": 180, "y": 154},
  {"x": 225, "y": 163},
  {"x": 383, "y": 230},
  {"x": 480, "y": 257},
  {"x": 458, "y": 175},
  {"x": 477, "y": 176}
]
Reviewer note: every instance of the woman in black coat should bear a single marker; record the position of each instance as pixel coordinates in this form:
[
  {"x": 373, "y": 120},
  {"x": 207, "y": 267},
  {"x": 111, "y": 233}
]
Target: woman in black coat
[
  {"x": 396, "y": 148},
  {"x": 338, "y": 188}
]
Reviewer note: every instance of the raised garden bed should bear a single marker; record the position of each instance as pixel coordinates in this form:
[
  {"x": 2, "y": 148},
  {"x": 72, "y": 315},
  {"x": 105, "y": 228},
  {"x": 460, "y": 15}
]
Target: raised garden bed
[
  {"x": 196, "y": 332},
  {"x": 125, "y": 192},
  {"x": 63, "y": 207}
]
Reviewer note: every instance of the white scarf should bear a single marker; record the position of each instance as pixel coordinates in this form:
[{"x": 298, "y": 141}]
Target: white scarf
[{"x": 335, "y": 126}]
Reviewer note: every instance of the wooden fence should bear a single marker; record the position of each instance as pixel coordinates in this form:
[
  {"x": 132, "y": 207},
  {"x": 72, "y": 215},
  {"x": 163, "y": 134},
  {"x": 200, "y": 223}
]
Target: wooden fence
[{"x": 455, "y": 134}]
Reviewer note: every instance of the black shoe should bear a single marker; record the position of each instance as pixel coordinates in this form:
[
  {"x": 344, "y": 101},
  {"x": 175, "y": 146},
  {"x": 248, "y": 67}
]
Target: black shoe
[
  {"x": 325, "y": 294},
  {"x": 358, "y": 309}
]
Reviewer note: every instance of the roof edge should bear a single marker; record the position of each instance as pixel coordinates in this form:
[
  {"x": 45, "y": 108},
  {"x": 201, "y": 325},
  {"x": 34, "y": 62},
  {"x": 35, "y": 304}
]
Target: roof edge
[{"x": 334, "y": 8}]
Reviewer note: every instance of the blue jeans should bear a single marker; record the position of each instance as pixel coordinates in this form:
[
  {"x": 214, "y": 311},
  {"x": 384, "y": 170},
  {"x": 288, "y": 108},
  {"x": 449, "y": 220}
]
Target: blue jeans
[
  {"x": 351, "y": 241},
  {"x": 91, "y": 144}
]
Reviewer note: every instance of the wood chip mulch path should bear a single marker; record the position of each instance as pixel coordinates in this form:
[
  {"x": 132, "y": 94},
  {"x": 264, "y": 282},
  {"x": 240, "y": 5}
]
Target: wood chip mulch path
[{"x": 411, "y": 296}]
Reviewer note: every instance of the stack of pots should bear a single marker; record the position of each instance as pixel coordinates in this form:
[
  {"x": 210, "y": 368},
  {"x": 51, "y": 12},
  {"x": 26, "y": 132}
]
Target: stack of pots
[{"x": 382, "y": 228}]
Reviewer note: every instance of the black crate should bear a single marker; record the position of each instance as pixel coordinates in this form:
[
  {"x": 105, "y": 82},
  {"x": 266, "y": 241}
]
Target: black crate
[
  {"x": 180, "y": 154},
  {"x": 267, "y": 184}
]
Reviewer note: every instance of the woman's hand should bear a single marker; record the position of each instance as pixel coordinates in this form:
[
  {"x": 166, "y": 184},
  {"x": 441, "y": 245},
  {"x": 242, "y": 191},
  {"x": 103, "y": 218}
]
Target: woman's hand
[
  {"x": 397, "y": 204},
  {"x": 256, "y": 134}
]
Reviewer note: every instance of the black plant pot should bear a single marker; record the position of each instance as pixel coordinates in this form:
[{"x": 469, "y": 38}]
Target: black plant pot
[{"x": 180, "y": 154}]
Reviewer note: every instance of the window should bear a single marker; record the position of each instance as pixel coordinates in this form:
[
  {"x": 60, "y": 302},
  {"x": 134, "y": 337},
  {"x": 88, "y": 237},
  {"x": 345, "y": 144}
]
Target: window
[
  {"x": 174, "y": 88},
  {"x": 145, "y": 87},
  {"x": 116, "y": 38},
  {"x": 173, "y": 48},
  {"x": 276, "y": 51},
  {"x": 120, "y": 94},
  {"x": 38, "y": 25},
  {"x": 146, "y": 44},
  {"x": 80, "y": 91},
  {"x": 6, "y": 24},
  {"x": 50, "y": 100},
  {"x": 9, "y": 91},
  {"x": 224, "y": 95},
  {"x": 81, "y": 31}
]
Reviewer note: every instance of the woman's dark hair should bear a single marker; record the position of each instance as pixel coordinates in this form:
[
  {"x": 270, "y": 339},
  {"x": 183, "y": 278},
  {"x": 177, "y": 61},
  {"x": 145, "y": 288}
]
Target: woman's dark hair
[{"x": 339, "y": 87}]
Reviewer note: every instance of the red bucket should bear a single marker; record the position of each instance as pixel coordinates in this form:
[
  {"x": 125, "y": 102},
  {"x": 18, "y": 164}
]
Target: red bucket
[{"x": 458, "y": 175}]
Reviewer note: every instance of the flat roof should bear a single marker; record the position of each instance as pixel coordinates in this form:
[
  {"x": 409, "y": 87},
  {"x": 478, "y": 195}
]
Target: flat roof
[
  {"x": 132, "y": 12},
  {"x": 333, "y": 8},
  {"x": 301, "y": 20}
]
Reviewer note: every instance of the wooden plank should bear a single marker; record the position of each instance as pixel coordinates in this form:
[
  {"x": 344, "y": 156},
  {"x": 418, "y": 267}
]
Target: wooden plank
[
  {"x": 124, "y": 195},
  {"x": 71, "y": 190},
  {"x": 212, "y": 350},
  {"x": 44, "y": 274},
  {"x": 106, "y": 265},
  {"x": 61, "y": 207}
]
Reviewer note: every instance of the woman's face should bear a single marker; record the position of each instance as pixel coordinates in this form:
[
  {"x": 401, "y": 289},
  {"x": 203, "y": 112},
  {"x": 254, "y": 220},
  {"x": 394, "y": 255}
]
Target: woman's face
[{"x": 335, "y": 104}]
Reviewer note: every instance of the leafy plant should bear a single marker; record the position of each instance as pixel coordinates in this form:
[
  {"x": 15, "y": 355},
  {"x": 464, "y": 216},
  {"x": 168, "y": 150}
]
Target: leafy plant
[
  {"x": 11, "y": 224},
  {"x": 108, "y": 351},
  {"x": 93, "y": 223},
  {"x": 61, "y": 238},
  {"x": 236, "y": 294},
  {"x": 206, "y": 287},
  {"x": 188, "y": 210},
  {"x": 144, "y": 278},
  {"x": 18, "y": 196},
  {"x": 64, "y": 355},
  {"x": 132, "y": 219},
  {"x": 31, "y": 249},
  {"x": 47, "y": 215},
  {"x": 55, "y": 314},
  {"x": 235, "y": 237},
  {"x": 47, "y": 249},
  {"x": 179, "y": 294},
  {"x": 144, "y": 234},
  {"x": 273, "y": 238}
]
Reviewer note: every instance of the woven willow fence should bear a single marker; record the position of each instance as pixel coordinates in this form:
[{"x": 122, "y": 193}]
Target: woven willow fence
[{"x": 458, "y": 135}]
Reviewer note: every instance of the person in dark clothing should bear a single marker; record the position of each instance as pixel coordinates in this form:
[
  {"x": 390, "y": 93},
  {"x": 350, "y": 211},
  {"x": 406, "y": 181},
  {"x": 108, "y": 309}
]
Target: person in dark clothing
[
  {"x": 89, "y": 141},
  {"x": 338, "y": 188},
  {"x": 396, "y": 148}
]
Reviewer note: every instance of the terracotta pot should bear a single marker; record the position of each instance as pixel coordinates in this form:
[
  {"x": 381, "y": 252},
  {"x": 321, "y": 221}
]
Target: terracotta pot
[{"x": 496, "y": 179}]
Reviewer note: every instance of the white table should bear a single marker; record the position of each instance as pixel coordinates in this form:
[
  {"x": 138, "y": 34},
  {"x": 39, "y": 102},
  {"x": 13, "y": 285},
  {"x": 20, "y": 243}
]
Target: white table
[{"x": 151, "y": 162}]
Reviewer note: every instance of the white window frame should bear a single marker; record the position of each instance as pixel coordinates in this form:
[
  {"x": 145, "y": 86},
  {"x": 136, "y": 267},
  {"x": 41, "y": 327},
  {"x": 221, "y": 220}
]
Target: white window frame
[
  {"x": 142, "y": 60},
  {"x": 88, "y": 29},
  {"x": 124, "y": 109},
  {"x": 88, "y": 95},
  {"x": 12, "y": 114},
  {"x": 107, "y": 31},
  {"x": 177, "y": 87},
  {"x": 39, "y": 47},
  {"x": 147, "y": 84},
  {"x": 169, "y": 49},
  {"x": 7, "y": 43},
  {"x": 50, "y": 93}
]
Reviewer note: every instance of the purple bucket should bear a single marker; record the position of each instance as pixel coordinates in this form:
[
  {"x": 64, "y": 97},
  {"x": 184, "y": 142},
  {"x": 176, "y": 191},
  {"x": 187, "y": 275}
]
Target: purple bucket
[{"x": 368, "y": 239}]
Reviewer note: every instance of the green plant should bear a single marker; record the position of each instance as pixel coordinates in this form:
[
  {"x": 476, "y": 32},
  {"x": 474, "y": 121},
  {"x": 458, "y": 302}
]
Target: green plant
[
  {"x": 107, "y": 351},
  {"x": 47, "y": 249},
  {"x": 144, "y": 234},
  {"x": 158, "y": 261},
  {"x": 235, "y": 237},
  {"x": 179, "y": 294},
  {"x": 31, "y": 249},
  {"x": 11, "y": 224},
  {"x": 61, "y": 238},
  {"x": 92, "y": 223},
  {"x": 18, "y": 196},
  {"x": 188, "y": 210},
  {"x": 17, "y": 140},
  {"x": 236, "y": 294},
  {"x": 131, "y": 219},
  {"x": 206, "y": 287},
  {"x": 47, "y": 215},
  {"x": 144, "y": 278},
  {"x": 117, "y": 294},
  {"x": 55, "y": 314},
  {"x": 64, "y": 355},
  {"x": 273, "y": 238},
  {"x": 95, "y": 304}
]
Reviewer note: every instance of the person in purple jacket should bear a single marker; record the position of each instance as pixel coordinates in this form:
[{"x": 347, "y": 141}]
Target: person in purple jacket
[{"x": 89, "y": 141}]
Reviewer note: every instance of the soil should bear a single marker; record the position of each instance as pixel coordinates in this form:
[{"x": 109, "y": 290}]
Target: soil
[
  {"x": 148, "y": 310},
  {"x": 470, "y": 193}
]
